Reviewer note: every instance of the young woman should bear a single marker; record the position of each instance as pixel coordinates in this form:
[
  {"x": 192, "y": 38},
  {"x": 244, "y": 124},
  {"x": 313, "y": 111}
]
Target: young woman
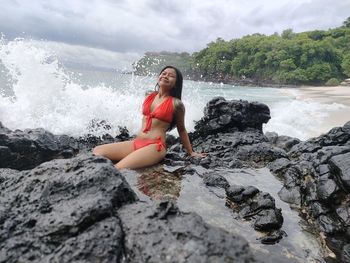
[{"x": 162, "y": 110}]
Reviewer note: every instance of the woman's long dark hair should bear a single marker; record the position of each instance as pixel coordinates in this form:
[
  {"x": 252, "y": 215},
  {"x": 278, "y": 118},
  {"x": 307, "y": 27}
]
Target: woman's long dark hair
[{"x": 176, "y": 91}]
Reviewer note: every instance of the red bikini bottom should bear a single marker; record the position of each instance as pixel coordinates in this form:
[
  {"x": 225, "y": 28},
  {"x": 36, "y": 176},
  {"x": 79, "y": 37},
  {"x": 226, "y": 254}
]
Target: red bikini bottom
[{"x": 140, "y": 143}]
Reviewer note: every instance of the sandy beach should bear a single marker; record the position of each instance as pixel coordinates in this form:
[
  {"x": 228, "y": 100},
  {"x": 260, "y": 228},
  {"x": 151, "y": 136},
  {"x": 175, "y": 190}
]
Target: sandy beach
[{"x": 338, "y": 95}]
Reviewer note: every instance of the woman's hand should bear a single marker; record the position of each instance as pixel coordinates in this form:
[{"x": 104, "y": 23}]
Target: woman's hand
[{"x": 195, "y": 154}]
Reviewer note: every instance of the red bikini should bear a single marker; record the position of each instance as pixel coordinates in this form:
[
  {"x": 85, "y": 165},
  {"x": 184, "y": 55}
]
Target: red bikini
[
  {"x": 140, "y": 143},
  {"x": 163, "y": 112}
]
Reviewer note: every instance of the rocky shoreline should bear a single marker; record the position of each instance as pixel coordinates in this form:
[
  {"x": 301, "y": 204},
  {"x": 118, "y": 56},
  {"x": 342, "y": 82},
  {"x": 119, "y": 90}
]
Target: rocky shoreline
[{"x": 61, "y": 204}]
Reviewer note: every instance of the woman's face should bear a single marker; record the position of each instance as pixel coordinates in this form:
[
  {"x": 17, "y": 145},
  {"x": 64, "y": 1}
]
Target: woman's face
[{"x": 167, "y": 78}]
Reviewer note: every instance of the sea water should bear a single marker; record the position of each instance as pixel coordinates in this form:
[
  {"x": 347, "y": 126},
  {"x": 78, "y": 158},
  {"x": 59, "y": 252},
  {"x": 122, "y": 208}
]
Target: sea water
[{"x": 38, "y": 90}]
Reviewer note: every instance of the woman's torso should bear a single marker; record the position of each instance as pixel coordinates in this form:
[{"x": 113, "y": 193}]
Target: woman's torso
[{"x": 158, "y": 127}]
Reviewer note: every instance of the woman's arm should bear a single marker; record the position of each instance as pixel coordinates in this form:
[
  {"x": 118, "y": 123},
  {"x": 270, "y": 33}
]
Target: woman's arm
[{"x": 180, "y": 124}]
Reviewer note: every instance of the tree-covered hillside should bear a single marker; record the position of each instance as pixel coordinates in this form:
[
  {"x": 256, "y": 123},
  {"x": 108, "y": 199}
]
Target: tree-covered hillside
[{"x": 313, "y": 57}]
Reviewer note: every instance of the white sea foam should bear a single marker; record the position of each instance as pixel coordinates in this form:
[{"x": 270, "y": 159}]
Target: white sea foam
[
  {"x": 45, "y": 95},
  {"x": 49, "y": 96},
  {"x": 300, "y": 118}
]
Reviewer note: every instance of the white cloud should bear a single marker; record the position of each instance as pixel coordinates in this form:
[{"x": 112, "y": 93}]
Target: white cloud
[
  {"x": 155, "y": 25},
  {"x": 82, "y": 55}
]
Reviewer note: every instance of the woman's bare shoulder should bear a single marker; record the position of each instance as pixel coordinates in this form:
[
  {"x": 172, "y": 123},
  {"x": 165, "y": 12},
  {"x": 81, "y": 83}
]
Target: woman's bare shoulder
[{"x": 178, "y": 105}]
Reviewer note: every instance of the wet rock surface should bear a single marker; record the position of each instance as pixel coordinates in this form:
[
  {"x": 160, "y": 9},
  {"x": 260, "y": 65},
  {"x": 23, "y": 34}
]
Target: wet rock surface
[
  {"x": 63, "y": 211},
  {"x": 252, "y": 204},
  {"x": 284, "y": 142},
  {"x": 316, "y": 177},
  {"x": 26, "y": 149},
  {"x": 81, "y": 209},
  {"x": 77, "y": 210},
  {"x": 222, "y": 115},
  {"x": 215, "y": 179},
  {"x": 231, "y": 131},
  {"x": 161, "y": 233},
  {"x": 315, "y": 173}
]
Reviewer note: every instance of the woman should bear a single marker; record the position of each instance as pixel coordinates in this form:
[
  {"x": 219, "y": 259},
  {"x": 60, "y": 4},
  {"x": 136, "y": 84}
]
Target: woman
[{"x": 162, "y": 110}]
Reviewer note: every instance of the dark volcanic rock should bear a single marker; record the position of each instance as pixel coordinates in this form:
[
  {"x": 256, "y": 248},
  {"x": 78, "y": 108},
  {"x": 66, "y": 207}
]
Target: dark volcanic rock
[
  {"x": 346, "y": 253},
  {"x": 239, "y": 194},
  {"x": 234, "y": 193},
  {"x": 326, "y": 189},
  {"x": 260, "y": 153},
  {"x": 237, "y": 149},
  {"x": 68, "y": 210},
  {"x": 250, "y": 203},
  {"x": 231, "y": 134},
  {"x": 161, "y": 233},
  {"x": 268, "y": 219},
  {"x": 291, "y": 191},
  {"x": 279, "y": 166},
  {"x": 62, "y": 211},
  {"x": 284, "y": 142},
  {"x": 316, "y": 178},
  {"x": 222, "y": 115},
  {"x": 231, "y": 131},
  {"x": 316, "y": 209},
  {"x": 273, "y": 238},
  {"x": 26, "y": 149},
  {"x": 215, "y": 179},
  {"x": 329, "y": 224},
  {"x": 340, "y": 165},
  {"x": 77, "y": 210},
  {"x": 290, "y": 194}
]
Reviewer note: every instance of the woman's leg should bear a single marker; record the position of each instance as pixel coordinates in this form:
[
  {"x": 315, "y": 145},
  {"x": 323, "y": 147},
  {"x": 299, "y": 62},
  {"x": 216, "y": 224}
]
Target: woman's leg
[
  {"x": 142, "y": 157},
  {"x": 114, "y": 151}
]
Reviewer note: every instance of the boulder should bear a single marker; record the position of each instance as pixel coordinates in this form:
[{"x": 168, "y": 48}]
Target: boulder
[
  {"x": 161, "y": 233},
  {"x": 252, "y": 204},
  {"x": 26, "y": 149},
  {"x": 268, "y": 219},
  {"x": 284, "y": 142},
  {"x": 340, "y": 166},
  {"x": 23, "y": 150},
  {"x": 316, "y": 176},
  {"x": 215, "y": 179},
  {"x": 63, "y": 211},
  {"x": 222, "y": 115}
]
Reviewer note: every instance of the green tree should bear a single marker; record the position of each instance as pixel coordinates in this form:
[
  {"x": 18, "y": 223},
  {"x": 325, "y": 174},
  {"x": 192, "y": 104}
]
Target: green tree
[
  {"x": 312, "y": 57},
  {"x": 319, "y": 72},
  {"x": 346, "y": 23},
  {"x": 317, "y": 35},
  {"x": 287, "y": 34},
  {"x": 288, "y": 64},
  {"x": 346, "y": 65}
]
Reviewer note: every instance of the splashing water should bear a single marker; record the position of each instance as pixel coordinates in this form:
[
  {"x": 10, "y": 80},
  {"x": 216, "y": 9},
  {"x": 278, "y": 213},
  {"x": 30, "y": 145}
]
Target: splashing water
[
  {"x": 301, "y": 119},
  {"x": 46, "y": 96},
  {"x": 38, "y": 91}
]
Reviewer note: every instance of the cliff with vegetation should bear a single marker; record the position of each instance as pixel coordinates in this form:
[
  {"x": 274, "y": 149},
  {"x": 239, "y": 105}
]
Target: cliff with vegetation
[{"x": 319, "y": 57}]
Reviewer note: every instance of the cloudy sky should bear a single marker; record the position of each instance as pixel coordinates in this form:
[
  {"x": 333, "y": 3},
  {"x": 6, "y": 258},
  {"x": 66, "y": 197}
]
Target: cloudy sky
[{"x": 113, "y": 32}]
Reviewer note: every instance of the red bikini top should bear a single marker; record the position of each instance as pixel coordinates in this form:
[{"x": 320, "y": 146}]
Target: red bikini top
[{"x": 163, "y": 111}]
